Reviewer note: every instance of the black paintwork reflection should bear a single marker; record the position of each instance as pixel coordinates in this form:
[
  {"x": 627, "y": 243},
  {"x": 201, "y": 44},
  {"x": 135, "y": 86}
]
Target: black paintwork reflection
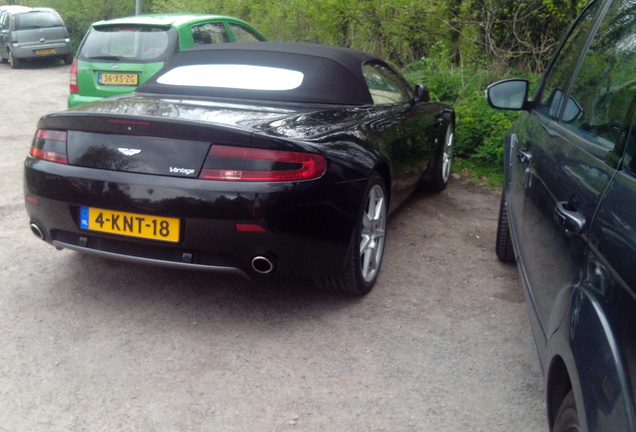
[
  {"x": 101, "y": 157},
  {"x": 591, "y": 340},
  {"x": 620, "y": 310},
  {"x": 148, "y": 155},
  {"x": 247, "y": 116},
  {"x": 405, "y": 136},
  {"x": 558, "y": 171},
  {"x": 614, "y": 231}
]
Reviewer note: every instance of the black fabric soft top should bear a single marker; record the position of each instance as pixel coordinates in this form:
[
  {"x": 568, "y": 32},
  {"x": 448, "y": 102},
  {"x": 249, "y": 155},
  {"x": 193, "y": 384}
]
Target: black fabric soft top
[{"x": 332, "y": 75}]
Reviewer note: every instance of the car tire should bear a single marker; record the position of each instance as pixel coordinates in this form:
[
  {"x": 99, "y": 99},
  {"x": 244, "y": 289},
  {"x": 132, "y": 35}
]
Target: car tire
[
  {"x": 567, "y": 419},
  {"x": 504, "y": 248},
  {"x": 14, "y": 62},
  {"x": 366, "y": 251},
  {"x": 438, "y": 181},
  {"x": 68, "y": 59}
]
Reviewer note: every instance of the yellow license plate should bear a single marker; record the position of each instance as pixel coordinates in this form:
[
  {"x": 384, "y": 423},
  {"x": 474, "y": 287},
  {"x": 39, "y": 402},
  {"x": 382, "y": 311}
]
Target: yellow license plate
[
  {"x": 130, "y": 224},
  {"x": 123, "y": 79},
  {"x": 45, "y": 51}
]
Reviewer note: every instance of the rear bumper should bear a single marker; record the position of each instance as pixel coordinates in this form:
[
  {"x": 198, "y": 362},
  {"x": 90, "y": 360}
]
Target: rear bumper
[
  {"x": 39, "y": 51},
  {"x": 184, "y": 265},
  {"x": 307, "y": 226}
]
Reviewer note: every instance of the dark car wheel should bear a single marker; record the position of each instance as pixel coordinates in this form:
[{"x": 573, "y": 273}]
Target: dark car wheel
[
  {"x": 68, "y": 59},
  {"x": 567, "y": 419},
  {"x": 366, "y": 251},
  {"x": 442, "y": 168},
  {"x": 14, "y": 62},
  {"x": 505, "y": 252}
]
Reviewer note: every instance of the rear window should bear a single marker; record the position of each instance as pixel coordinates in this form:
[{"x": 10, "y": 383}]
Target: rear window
[
  {"x": 257, "y": 71},
  {"x": 233, "y": 76},
  {"x": 129, "y": 44},
  {"x": 38, "y": 19}
]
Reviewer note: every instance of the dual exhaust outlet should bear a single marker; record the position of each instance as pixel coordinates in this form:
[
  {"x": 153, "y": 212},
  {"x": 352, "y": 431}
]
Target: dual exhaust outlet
[{"x": 260, "y": 264}]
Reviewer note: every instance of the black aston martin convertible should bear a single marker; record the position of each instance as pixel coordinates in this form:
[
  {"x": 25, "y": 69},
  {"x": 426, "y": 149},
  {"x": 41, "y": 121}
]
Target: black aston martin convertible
[{"x": 256, "y": 158}]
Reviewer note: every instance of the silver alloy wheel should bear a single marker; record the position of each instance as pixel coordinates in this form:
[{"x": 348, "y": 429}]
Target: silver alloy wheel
[
  {"x": 447, "y": 155},
  {"x": 372, "y": 233},
  {"x": 13, "y": 62}
]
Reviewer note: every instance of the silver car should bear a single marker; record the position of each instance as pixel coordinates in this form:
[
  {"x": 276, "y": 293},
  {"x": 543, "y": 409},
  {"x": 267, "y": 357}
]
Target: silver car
[{"x": 30, "y": 33}]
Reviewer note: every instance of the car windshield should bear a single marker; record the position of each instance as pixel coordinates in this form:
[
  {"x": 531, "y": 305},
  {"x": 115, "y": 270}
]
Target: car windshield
[
  {"x": 233, "y": 76},
  {"x": 37, "y": 19},
  {"x": 128, "y": 43}
]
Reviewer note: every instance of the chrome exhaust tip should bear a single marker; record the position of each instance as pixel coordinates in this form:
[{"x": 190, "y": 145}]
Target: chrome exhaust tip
[
  {"x": 37, "y": 231},
  {"x": 262, "y": 265}
]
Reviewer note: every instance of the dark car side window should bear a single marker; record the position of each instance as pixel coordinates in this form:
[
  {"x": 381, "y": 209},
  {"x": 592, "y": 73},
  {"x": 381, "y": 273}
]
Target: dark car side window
[
  {"x": 557, "y": 81},
  {"x": 210, "y": 33},
  {"x": 243, "y": 34},
  {"x": 384, "y": 85},
  {"x": 605, "y": 87}
]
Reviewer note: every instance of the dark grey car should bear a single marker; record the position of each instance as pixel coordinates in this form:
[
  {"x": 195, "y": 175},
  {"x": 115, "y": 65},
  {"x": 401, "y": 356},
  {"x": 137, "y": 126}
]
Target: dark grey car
[
  {"x": 30, "y": 33},
  {"x": 568, "y": 217}
]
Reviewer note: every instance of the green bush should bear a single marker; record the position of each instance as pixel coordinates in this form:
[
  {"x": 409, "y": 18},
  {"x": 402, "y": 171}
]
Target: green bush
[{"x": 480, "y": 129}]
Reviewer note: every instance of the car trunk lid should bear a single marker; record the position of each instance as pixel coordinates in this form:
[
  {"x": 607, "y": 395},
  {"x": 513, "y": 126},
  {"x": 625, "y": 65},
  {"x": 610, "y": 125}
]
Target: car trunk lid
[
  {"x": 139, "y": 154},
  {"x": 164, "y": 137},
  {"x": 42, "y": 37}
]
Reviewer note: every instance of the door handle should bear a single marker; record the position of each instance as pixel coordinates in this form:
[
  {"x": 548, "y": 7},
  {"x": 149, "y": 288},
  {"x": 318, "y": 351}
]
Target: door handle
[
  {"x": 568, "y": 218},
  {"x": 524, "y": 156}
]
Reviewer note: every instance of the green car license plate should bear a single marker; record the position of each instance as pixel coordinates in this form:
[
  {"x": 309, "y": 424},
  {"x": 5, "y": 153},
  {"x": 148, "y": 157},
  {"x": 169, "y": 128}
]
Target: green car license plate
[{"x": 121, "y": 79}]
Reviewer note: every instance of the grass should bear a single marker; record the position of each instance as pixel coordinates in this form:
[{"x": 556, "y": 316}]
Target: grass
[{"x": 478, "y": 175}]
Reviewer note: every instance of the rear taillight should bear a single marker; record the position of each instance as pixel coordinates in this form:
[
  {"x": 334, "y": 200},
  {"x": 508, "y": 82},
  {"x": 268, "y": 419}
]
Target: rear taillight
[
  {"x": 49, "y": 145},
  {"x": 74, "y": 87},
  {"x": 251, "y": 164}
]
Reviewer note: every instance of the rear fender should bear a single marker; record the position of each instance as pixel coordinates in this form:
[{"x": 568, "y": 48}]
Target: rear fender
[{"x": 587, "y": 346}]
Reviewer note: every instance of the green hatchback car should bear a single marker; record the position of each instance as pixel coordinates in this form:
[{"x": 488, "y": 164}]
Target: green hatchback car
[{"x": 118, "y": 55}]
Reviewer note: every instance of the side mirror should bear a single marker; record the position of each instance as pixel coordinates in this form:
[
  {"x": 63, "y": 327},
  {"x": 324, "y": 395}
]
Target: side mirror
[
  {"x": 421, "y": 94},
  {"x": 572, "y": 108},
  {"x": 510, "y": 94}
]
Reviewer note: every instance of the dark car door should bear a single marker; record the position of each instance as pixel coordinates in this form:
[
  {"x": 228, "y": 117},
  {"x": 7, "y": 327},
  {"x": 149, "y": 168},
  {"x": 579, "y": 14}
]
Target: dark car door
[
  {"x": 569, "y": 149},
  {"x": 613, "y": 233},
  {"x": 406, "y": 130}
]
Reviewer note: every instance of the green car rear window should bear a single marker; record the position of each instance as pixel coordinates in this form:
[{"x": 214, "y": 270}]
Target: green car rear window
[{"x": 129, "y": 44}]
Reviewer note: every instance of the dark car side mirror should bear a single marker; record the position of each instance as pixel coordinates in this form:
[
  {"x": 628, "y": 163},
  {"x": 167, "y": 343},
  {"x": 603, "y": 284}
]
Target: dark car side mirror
[
  {"x": 510, "y": 94},
  {"x": 572, "y": 109},
  {"x": 421, "y": 94}
]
